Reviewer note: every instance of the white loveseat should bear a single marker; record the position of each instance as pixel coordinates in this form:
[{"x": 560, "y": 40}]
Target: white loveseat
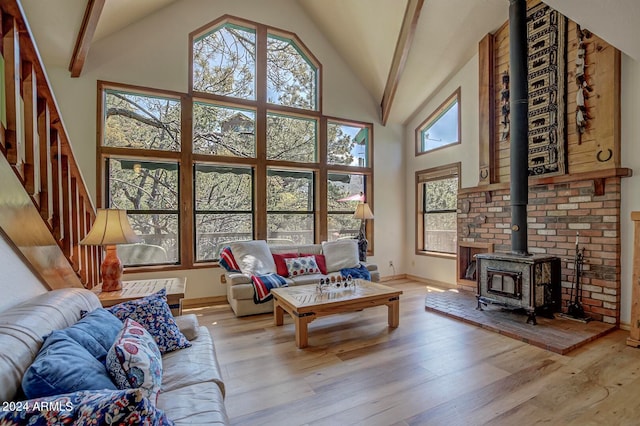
[
  {"x": 240, "y": 290},
  {"x": 192, "y": 388}
]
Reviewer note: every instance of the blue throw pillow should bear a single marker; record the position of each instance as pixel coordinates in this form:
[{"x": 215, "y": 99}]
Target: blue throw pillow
[
  {"x": 64, "y": 366},
  {"x": 153, "y": 313},
  {"x": 122, "y": 407},
  {"x": 96, "y": 332}
]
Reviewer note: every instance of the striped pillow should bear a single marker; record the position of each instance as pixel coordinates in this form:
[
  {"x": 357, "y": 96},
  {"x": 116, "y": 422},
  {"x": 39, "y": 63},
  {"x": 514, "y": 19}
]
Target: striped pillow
[{"x": 227, "y": 261}]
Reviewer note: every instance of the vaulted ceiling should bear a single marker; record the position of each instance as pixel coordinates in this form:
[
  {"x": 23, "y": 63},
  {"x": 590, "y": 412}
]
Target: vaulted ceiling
[{"x": 436, "y": 40}]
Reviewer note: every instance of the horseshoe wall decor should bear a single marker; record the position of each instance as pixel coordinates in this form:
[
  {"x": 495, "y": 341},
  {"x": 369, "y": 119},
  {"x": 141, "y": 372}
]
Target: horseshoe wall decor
[
  {"x": 606, "y": 159},
  {"x": 484, "y": 174}
]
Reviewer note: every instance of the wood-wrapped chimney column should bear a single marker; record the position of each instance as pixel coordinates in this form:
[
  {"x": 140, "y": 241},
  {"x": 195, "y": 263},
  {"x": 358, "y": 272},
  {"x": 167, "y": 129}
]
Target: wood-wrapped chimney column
[{"x": 519, "y": 125}]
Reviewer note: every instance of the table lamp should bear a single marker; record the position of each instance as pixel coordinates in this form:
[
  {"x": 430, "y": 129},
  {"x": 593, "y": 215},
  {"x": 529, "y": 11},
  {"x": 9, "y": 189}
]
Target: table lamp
[
  {"x": 363, "y": 212},
  {"x": 110, "y": 228}
]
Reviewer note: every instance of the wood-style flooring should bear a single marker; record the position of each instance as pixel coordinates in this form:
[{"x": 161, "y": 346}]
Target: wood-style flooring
[{"x": 431, "y": 370}]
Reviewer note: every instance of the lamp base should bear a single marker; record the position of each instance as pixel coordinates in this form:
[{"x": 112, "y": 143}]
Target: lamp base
[
  {"x": 111, "y": 270},
  {"x": 363, "y": 244}
]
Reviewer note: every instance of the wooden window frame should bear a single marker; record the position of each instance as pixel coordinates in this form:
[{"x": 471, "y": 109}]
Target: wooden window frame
[
  {"x": 427, "y": 175},
  {"x": 456, "y": 96}
]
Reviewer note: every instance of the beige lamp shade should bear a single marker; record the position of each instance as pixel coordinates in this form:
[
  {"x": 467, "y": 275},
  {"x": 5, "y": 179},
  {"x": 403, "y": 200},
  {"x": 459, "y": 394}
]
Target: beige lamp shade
[
  {"x": 110, "y": 227},
  {"x": 363, "y": 212}
]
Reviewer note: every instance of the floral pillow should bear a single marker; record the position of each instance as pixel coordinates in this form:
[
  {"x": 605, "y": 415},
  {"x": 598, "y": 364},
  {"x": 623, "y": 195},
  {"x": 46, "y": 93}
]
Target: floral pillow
[
  {"x": 100, "y": 407},
  {"x": 153, "y": 313},
  {"x": 302, "y": 266},
  {"x": 134, "y": 361}
]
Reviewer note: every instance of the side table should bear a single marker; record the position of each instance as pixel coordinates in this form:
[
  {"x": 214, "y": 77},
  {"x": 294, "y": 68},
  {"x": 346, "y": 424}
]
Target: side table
[{"x": 136, "y": 289}]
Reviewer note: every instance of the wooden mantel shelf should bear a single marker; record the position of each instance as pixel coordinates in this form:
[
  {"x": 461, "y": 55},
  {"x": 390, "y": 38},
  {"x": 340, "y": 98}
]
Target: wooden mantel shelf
[{"x": 597, "y": 176}]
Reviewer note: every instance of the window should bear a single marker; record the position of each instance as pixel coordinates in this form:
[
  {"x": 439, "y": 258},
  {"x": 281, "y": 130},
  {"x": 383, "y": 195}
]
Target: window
[
  {"x": 223, "y": 207},
  {"x": 148, "y": 190},
  {"x": 223, "y": 130},
  {"x": 245, "y": 154},
  {"x": 442, "y": 128},
  {"x": 291, "y": 75},
  {"x": 347, "y": 144},
  {"x": 290, "y": 206},
  {"x": 224, "y": 61},
  {"x": 344, "y": 192},
  {"x": 437, "y": 200}
]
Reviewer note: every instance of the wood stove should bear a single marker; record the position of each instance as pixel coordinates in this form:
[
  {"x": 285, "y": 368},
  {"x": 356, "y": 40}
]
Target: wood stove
[{"x": 531, "y": 283}]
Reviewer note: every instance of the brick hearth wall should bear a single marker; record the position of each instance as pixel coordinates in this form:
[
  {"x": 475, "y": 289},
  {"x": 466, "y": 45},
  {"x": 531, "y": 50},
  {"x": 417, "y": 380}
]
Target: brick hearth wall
[{"x": 555, "y": 213}]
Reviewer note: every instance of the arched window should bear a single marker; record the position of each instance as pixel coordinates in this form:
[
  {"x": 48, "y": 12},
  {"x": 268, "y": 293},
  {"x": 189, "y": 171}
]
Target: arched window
[{"x": 253, "y": 156}]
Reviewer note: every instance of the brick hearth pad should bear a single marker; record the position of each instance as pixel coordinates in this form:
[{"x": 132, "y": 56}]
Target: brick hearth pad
[{"x": 558, "y": 335}]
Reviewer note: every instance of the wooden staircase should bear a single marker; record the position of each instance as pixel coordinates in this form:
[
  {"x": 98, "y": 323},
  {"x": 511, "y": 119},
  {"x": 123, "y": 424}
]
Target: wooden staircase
[{"x": 45, "y": 209}]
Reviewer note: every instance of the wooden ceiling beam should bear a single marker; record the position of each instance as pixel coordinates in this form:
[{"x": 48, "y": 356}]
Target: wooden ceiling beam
[
  {"x": 403, "y": 45},
  {"x": 85, "y": 36}
]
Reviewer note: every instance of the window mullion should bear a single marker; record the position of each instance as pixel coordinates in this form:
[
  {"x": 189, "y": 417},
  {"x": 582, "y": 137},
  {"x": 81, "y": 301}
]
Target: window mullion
[
  {"x": 260, "y": 184},
  {"x": 186, "y": 191}
]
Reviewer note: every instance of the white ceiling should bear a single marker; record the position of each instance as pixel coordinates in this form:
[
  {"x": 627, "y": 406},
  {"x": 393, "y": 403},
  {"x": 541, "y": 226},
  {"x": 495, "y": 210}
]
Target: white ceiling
[{"x": 364, "y": 32}]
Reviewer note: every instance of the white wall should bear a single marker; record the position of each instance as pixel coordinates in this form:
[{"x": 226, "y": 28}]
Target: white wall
[
  {"x": 18, "y": 282},
  {"x": 154, "y": 53},
  {"x": 630, "y": 135},
  {"x": 439, "y": 268}
]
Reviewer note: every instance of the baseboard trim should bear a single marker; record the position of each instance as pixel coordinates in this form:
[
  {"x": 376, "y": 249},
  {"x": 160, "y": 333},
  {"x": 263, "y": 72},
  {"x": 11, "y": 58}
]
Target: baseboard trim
[
  {"x": 200, "y": 302},
  {"x": 431, "y": 282},
  {"x": 393, "y": 277}
]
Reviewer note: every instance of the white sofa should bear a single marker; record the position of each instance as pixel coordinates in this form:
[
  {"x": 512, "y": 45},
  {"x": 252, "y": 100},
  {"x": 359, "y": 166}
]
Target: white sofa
[
  {"x": 240, "y": 290},
  {"x": 192, "y": 388}
]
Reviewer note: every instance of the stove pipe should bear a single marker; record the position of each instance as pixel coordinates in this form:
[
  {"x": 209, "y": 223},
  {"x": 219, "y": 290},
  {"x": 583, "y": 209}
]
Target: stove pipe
[{"x": 519, "y": 125}]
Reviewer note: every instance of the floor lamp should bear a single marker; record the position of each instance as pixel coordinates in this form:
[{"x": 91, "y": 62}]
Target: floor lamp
[
  {"x": 363, "y": 212},
  {"x": 110, "y": 228}
]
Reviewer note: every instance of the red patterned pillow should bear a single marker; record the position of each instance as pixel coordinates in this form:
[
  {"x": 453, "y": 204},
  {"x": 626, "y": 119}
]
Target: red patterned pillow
[
  {"x": 320, "y": 260},
  {"x": 281, "y": 266}
]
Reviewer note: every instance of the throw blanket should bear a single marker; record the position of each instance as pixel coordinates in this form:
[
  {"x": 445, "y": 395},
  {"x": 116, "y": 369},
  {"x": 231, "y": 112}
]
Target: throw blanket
[
  {"x": 362, "y": 272},
  {"x": 262, "y": 284}
]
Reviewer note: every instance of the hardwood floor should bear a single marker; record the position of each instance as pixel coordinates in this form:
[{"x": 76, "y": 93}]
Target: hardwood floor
[{"x": 431, "y": 370}]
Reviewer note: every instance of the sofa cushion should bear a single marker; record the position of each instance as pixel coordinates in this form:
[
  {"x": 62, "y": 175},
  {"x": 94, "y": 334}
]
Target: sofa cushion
[
  {"x": 253, "y": 257},
  {"x": 23, "y": 327},
  {"x": 134, "y": 361},
  {"x": 101, "y": 407},
  {"x": 340, "y": 254},
  {"x": 198, "y": 404},
  {"x": 96, "y": 332},
  {"x": 302, "y": 266},
  {"x": 154, "y": 314},
  {"x": 64, "y": 366},
  {"x": 192, "y": 365},
  {"x": 281, "y": 266}
]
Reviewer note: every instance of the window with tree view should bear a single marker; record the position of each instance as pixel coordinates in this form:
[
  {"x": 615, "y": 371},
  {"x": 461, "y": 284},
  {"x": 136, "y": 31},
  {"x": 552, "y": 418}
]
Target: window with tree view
[
  {"x": 244, "y": 154},
  {"x": 438, "y": 195}
]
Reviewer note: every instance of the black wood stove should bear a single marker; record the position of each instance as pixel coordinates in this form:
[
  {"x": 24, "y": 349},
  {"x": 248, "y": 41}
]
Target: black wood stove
[{"x": 519, "y": 280}]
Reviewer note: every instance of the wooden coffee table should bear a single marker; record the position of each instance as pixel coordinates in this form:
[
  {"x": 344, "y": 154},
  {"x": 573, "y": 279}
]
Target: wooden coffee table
[{"x": 304, "y": 303}]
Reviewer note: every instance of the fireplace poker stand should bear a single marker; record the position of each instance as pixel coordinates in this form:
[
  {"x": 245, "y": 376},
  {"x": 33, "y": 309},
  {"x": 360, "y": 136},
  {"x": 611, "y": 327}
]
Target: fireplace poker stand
[{"x": 575, "y": 310}]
